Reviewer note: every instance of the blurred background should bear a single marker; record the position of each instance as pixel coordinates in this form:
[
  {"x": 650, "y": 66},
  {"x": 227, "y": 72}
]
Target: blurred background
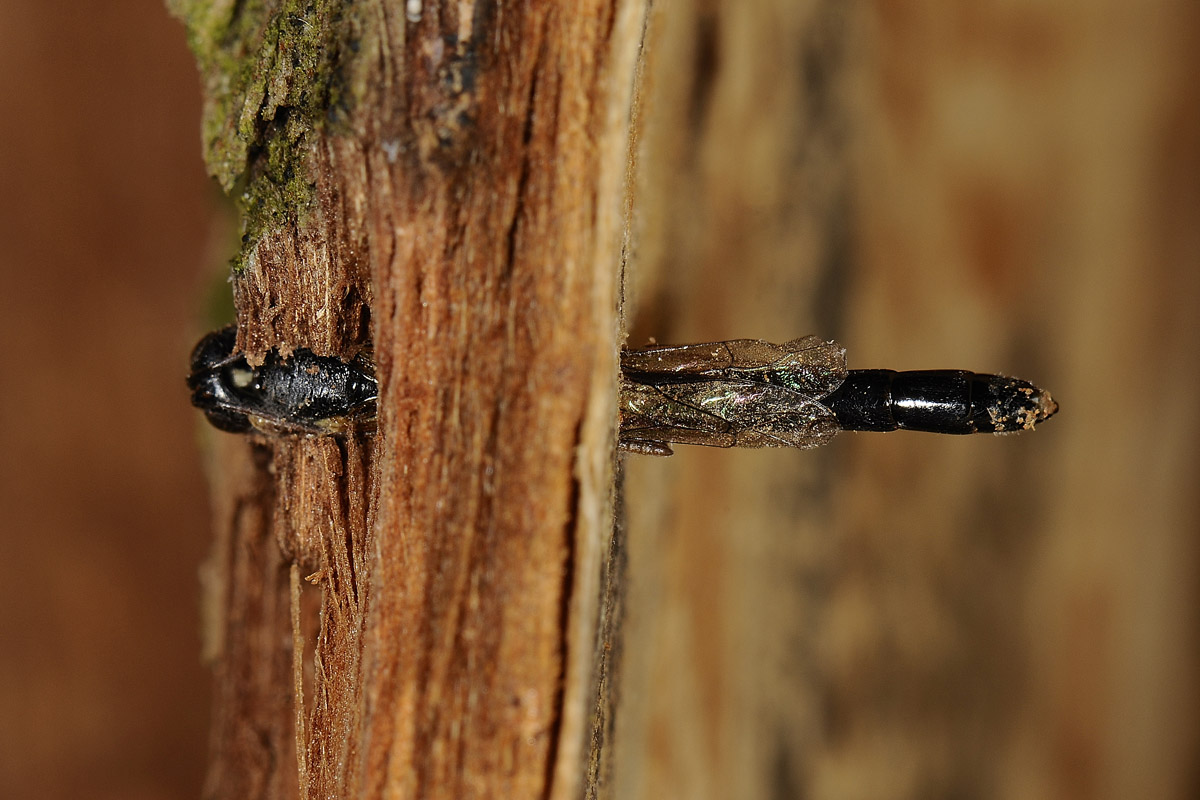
[
  {"x": 106, "y": 218},
  {"x": 1008, "y": 187}
]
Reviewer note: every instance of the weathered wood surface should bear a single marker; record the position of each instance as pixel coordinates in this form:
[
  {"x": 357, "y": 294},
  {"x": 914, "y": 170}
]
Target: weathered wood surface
[{"x": 449, "y": 188}]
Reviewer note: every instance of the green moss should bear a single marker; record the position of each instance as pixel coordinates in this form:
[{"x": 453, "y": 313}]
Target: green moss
[{"x": 270, "y": 70}]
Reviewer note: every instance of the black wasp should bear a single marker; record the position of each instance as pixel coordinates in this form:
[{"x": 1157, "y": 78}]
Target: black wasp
[
  {"x": 302, "y": 394},
  {"x": 740, "y": 393}
]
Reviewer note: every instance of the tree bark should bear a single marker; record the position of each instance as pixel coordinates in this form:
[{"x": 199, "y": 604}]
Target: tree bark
[{"x": 418, "y": 607}]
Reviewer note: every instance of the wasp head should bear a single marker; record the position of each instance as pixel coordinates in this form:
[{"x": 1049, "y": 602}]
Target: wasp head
[{"x": 211, "y": 382}]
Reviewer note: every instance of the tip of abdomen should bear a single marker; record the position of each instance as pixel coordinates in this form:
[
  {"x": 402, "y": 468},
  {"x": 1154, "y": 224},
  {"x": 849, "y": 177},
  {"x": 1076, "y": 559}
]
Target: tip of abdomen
[{"x": 1016, "y": 405}]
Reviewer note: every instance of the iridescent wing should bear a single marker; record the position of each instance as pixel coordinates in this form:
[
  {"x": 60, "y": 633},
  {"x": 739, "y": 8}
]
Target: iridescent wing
[
  {"x": 720, "y": 413},
  {"x": 810, "y": 366},
  {"x": 743, "y": 393}
]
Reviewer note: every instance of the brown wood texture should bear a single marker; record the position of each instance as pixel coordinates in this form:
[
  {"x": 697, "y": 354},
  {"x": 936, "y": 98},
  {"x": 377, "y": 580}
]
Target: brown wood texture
[
  {"x": 417, "y": 609},
  {"x": 1003, "y": 187}
]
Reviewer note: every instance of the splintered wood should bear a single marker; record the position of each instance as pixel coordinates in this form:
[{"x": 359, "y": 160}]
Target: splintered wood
[{"x": 413, "y": 613}]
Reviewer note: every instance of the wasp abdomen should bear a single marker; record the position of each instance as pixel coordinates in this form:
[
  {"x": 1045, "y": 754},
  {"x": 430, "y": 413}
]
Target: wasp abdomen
[{"x": 937, "y": 401}]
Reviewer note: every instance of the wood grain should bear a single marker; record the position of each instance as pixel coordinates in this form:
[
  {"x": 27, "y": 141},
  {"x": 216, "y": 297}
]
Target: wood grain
[{"x": 465, "y": 219}]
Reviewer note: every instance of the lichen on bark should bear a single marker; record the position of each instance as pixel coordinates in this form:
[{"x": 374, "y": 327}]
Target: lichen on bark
[{"x": 270, "y": 73}]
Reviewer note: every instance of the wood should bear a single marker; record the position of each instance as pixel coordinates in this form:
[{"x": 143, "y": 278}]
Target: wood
[{"x": 450, "y": 190}]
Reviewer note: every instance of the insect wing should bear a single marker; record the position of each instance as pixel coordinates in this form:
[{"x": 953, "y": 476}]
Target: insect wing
[
  {"x": 661, "y": 414},
  {"x": 723, "y": 413},
  {"x": 810, "y": 365},
  {"x": 689, "y": 359}
]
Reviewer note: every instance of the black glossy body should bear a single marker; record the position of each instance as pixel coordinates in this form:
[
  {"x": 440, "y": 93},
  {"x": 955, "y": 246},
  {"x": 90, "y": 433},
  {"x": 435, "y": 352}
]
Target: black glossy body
[
  {"x": 301, "y": 394},
  {"x": 935, "y": 401}
]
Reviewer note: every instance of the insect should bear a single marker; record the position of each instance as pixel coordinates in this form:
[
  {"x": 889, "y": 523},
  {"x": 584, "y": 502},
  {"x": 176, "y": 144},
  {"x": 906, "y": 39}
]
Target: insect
[
  {"x": 740, "y": 393},
  {"x": 301, "y": 394},
  {"x": 752, "y": 393}
]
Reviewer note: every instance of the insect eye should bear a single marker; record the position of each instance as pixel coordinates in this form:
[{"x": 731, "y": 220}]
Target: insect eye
[{"x": 241, "y": 377}]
